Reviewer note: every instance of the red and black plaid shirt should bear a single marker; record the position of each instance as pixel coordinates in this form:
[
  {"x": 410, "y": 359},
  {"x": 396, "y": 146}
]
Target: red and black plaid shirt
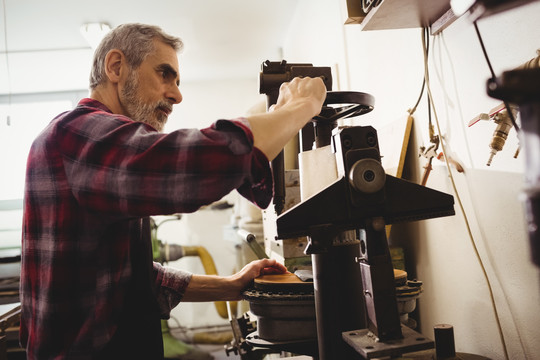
[{"x": 91, "y": 177}]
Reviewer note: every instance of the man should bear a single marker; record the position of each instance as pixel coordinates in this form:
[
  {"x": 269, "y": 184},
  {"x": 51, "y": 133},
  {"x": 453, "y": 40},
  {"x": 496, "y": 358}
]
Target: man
[{"x": 89, "y": 288}]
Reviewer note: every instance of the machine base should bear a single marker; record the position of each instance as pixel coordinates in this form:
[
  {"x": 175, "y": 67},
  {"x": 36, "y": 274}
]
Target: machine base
[
  {"x": 367, "y": 345},
  {"x": 303, "y": 347}
]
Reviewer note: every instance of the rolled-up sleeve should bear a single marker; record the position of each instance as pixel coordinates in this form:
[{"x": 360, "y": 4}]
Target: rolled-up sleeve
[{"x": 171, "y": 285}]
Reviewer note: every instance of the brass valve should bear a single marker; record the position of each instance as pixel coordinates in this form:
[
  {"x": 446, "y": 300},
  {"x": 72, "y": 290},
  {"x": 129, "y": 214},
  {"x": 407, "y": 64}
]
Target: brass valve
[{"x": 501, "y": 117}]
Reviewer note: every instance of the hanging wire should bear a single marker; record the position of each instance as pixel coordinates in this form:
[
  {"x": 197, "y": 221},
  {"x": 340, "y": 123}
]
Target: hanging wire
[
  {"x": 493, "y": 76},
  {"x": 458, "y": 198},
  {"x": 411, "y": 111},
  {"x": 432, "y": 137}
]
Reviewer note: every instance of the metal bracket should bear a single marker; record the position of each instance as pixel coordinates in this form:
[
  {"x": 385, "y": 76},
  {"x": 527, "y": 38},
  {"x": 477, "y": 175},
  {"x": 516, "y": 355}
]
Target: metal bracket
[{"x": 369, "y": 346}]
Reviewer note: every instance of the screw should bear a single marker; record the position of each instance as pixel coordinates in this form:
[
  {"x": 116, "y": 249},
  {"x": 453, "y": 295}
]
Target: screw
[
  {"x": 369, "y": 175},
  {"x": 371, "y": 139},
  {"x": 347, "y": 142}
]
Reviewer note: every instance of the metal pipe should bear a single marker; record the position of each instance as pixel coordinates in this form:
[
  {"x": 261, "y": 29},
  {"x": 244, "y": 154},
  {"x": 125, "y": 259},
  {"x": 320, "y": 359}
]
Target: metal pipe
[
  {"x": 339, "y": 300},
  {"x": 253, "y": 244}
]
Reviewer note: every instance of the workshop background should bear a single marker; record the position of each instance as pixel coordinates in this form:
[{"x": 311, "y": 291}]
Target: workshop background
[{"x": 44, "y": 65}]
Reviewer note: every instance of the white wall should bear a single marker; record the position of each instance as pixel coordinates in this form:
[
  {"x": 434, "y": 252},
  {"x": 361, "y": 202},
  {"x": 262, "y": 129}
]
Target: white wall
[
  {"x": 207, "y": 101},
  {"x": 389, "y": 65}
]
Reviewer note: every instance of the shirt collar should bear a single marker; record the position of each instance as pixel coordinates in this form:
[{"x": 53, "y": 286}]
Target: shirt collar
[{"x": 94, "y": 104}]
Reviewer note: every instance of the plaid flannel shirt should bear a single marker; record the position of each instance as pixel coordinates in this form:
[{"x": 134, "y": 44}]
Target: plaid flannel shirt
[{"x": 91, "y": 177}]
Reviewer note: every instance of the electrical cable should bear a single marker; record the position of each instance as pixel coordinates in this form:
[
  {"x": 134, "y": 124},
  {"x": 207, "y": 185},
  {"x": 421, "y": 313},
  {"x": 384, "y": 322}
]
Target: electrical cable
[
  {"x": 434, "y": 140},
  {"x": 471, "y": 237},
  {"x": 430, "y": 122},
  {"x": 411, "y": 111},
  {"x": 484, "y": 50},
  {"x": 493, "y": 76},
  {"x": 442, "y": 46}
]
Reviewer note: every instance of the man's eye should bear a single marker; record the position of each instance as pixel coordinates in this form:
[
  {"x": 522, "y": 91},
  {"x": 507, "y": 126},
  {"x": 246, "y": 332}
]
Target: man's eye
[{"x": 168, "y": 75}]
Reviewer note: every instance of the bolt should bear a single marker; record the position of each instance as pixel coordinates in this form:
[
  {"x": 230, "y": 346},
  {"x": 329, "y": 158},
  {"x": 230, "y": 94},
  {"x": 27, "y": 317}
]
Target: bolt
[
  {"x": 371, "y": 139},
  {"x": 369, "y": 175},
  {"x": 347, "y": 142}
]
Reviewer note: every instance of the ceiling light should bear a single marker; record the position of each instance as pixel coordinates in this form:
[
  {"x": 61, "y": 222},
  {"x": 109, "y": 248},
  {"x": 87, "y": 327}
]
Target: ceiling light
[{"x": 94, "y": 32}]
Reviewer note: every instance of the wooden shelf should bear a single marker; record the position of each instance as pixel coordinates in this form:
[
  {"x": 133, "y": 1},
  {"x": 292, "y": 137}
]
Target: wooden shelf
[{"x": 403, "y": 14}]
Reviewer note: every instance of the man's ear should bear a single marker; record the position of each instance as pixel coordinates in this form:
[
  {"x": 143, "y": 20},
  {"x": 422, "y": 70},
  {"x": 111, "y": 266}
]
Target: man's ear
[{"x": 114, "y": 61}]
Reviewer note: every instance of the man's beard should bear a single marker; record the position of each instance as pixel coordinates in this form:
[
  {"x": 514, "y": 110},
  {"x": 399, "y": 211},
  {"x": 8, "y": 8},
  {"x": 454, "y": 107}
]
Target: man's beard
[{"x": 138, "y": 110}]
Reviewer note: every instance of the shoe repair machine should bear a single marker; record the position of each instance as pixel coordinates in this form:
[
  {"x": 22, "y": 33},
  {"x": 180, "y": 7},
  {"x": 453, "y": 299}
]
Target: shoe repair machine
[{"x": 349, "y": 310}]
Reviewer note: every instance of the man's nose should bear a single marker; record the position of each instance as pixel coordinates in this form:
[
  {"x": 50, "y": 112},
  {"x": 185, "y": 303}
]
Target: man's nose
[{"x": 174, "y": 95}]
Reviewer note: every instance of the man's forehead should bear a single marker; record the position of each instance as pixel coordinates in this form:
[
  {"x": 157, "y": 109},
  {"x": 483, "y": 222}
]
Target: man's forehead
[{"x": 164, "y": 54}]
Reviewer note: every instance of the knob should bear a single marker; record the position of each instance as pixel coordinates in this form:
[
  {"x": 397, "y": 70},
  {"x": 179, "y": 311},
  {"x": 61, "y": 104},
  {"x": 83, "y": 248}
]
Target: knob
[{"x": 367, "y": 176}]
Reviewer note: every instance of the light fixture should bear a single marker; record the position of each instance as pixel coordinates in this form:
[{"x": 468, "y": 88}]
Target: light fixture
[{"x": 94, "y": 32}]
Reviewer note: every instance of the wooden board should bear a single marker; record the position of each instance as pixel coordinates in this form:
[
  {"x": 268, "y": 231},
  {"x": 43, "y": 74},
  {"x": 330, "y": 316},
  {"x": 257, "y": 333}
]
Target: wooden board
[
  {"x": 287, "y": 278},
  {"x": 393, "y": 143},
  {"x": 282, "y": 282}
]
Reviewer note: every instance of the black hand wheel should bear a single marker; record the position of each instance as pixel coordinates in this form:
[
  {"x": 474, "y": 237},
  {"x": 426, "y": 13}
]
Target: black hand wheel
[{"x": 344, "y": 104}]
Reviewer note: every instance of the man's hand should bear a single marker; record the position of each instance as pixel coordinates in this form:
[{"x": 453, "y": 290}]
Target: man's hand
[
  {"x": 298, "y": 102},
  {"x": 257, "y": 268},
  {"x": 216, "y": 288},
  {"x": 310, "y": 91}
]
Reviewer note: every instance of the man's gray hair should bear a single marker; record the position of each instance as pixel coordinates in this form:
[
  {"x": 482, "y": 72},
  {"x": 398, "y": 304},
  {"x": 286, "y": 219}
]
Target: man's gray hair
[{"x": 136, "y": 41}]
